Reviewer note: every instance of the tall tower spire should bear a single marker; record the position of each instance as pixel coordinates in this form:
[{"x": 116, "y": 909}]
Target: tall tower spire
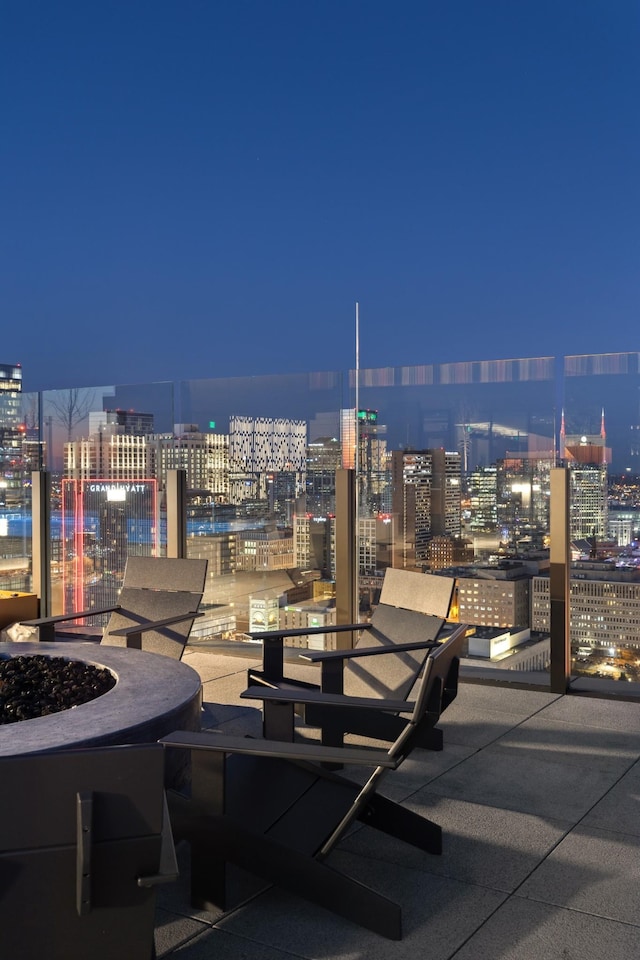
[{"x": 603, "y": 434}]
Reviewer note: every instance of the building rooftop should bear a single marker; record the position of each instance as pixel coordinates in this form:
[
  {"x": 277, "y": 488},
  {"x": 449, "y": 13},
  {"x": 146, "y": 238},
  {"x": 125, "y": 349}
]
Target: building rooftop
[{"x": 539, "y": 799}]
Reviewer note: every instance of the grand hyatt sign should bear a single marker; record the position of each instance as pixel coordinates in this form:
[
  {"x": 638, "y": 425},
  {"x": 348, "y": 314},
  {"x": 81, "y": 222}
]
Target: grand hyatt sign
[{"x": 118, "y": 490}]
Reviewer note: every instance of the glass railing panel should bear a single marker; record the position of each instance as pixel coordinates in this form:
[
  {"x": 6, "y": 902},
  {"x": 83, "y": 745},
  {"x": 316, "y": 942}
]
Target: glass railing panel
[
  {"x": 452, "y": 465},
  {"x": 96, "y": 443}
]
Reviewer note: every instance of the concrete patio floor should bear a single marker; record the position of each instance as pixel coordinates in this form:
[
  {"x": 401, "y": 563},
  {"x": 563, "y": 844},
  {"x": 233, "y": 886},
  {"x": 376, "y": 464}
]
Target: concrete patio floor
[{"x": 539, "y": 799}]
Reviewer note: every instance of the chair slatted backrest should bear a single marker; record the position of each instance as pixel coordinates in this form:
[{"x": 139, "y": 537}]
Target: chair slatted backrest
[
  {"x": 155, "y": 588},
  {"x": 413, "y": 607}
]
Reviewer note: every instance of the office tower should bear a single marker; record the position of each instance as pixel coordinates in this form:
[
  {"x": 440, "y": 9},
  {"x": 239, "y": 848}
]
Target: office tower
[
  {"x": 587, "y": 457},
  {"x": 12, "y": 433},
  {"x": 483, "y": 500},
  {"x": 371, "y": 462},
  {"x": 445, "y": 551},
  {"x": 604, "y": 605},
  {"x": 522, "y": 501},
  {"x": 494, "y": 596},
  {"x": 324, "y": 457},
  {"x": 261, "y": 447},
  {"x": 264, "y": 549},
  {"x": 203, "y": 456},
  {"x": 314, "y": 544},
  {"x": 426, "y": 502},
  {"x": 108, "y": 455}
]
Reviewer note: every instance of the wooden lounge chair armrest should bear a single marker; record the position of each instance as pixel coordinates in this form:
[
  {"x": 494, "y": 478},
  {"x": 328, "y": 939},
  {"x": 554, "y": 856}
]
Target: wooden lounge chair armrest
[
  {"x": 319, "y": 656},
  {"x": 222, "y": 743},
  {"x": 318, "y": 697},
  {"x": 134, "y": 633},
  {"x": 60, "y": 618},
  {"x": 47, "y": 625}
]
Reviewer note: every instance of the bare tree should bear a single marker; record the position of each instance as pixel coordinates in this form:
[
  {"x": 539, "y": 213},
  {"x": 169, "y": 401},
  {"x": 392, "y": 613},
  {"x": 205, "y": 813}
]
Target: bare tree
[{"x": 70, "y": 407}]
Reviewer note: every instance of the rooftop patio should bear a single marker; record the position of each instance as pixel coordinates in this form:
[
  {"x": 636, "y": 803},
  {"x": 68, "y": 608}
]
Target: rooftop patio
[{"x": 539, "y": 799}]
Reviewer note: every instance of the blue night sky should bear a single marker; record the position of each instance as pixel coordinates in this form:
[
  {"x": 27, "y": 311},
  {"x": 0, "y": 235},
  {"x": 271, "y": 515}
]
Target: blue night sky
[{"x": 203, "y": 189}]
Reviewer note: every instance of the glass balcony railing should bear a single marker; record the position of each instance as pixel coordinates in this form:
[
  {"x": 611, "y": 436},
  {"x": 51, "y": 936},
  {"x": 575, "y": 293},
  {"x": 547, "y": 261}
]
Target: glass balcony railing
[{"x": 451, "y": 467}]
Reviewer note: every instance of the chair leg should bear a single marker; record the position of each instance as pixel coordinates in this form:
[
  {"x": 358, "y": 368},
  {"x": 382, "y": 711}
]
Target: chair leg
[
  {"x": 397, "y": 821},
  {"x": 278, "y": 721},
  {"x": 300, "y": 874}
]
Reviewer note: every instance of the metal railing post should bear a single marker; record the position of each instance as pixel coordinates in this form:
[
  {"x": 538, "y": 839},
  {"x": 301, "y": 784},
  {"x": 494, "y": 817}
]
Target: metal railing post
[
  {"x": 41, "y": 539},
  {"x": 346, "y": 559},
  {"x": 559, "y": 581},
  {"x": 176, "y": 492}
]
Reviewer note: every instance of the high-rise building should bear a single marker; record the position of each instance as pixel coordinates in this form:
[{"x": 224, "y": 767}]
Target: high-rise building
[
  {"x": 426, "y": 502},
  {"x": 12, "y": 435},
  {"x": 261, "y": 447},
  {"x": 203, "y": 456},
  {"x": 523, "y": 489},
  {"x": 371, "y": 462},
  {"x": 483, "y": 500},
  {"x": 323, "y": 459},
  {"x": 587, "y": 457}
]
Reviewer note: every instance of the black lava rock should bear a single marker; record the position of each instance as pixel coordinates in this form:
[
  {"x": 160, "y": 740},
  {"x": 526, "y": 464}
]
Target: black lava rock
[{"x": 34, "y": 686}]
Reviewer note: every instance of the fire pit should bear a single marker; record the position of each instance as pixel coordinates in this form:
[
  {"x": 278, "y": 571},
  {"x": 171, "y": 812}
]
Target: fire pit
[{"x": 152, "y": 696}]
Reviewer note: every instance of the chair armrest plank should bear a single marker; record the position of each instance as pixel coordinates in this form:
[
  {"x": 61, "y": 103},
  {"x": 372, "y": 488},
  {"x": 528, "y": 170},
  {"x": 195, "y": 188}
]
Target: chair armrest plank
[
  {"x": 61, "y": 618},
  {"x": 317, "y": 656},
  {"x": 295, "y": 695},
  {"x": 222, "y": 743},
  {"x": 303, "y": 631}
]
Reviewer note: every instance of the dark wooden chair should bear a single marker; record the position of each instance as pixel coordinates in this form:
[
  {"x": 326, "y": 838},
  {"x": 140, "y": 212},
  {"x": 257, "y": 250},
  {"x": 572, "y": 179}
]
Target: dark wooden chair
[
  {"x": 84, "y": 840},
  {"x": 385, "y": 661},
  {"x": 274, "y": 809},
  {"x": 158, "y": 603}
]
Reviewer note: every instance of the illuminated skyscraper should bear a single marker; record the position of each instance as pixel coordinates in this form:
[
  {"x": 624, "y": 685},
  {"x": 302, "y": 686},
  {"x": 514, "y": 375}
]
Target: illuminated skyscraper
[{"x": 426, "y": 502}]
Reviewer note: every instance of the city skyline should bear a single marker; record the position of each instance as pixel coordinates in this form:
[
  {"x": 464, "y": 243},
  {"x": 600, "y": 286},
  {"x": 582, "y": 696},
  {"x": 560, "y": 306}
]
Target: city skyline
[{"x": 206, "y": 190}]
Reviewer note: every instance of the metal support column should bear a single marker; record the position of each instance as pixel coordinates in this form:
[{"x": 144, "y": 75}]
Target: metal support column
[
  {"x": 176, "y": 514},
  {"x": 346, "y": 560},
  {"x": 559, "y": 574},
  {"x": 41, "y": 539}
]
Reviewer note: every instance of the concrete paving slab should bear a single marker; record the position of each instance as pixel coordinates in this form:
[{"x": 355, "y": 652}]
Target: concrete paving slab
[
  {"x": 516, "y": 703},
  {"x": 608, "y": 714},
  {"x": 214, "y": 714},
  {"x": 527, "y": 930},
  {"x": 227, "y": 690},
  {"x": 620, "y": 807},
  {"x": 213, "y": 665},
  {"x": 437, "y": 917},
  {"x": 219, "y": 945},
  {"x": 527, "y": 782},
  {"x": 467, "y": 727},
  {"x": 171, "y": 932},
  {"x": 483, "y": 845},
  {"x": 573, "y": 743},
  {"x": 592, "y": 870}
]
